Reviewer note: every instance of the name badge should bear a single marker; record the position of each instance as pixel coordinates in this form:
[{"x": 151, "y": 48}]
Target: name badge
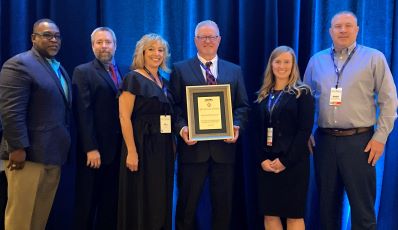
[
  {"x": 269, "y": 136},
  {"x": 335, "y": 96},
  {"x": 165, "y": 124}
]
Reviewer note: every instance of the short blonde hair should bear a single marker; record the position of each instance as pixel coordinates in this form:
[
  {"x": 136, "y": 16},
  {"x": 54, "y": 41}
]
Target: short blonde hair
[
  {"x": 294, "y": 85},
  {"x": 143, "y": 44}
]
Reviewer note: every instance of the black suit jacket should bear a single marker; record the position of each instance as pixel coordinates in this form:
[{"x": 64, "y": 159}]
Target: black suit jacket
[
  {"x": 35, "y": 112},
  {"x": 188, "y": 73},
  {"x": 292, "y": 121},
  {"x": 97, "y": 111}
]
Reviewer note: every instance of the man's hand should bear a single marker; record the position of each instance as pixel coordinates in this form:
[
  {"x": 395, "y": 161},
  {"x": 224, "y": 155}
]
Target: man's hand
[
  {"x": 185, "y": 136},
  {"x": 375, "y": 150},
  {"x": 17, "y": 159},
  {"x": 311, "y": 144},
  {"x": 93, "y": 159},
  {"x": 236, "y": 135}
]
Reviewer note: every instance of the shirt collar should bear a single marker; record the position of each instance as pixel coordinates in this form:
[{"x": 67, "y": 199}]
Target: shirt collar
[
  {"x": 106, "y": 65},
  {"x": 347, "y": 50},
  {"x": 214, "y": 60},
  {"x": 54, "y": 63}
]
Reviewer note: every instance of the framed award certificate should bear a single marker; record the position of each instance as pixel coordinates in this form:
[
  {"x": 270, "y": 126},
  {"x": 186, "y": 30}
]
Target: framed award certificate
[{"x": 209, "y": 111}]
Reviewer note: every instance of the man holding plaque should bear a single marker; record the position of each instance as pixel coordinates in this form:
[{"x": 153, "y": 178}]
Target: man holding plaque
[{"x": 213, "y": 158}]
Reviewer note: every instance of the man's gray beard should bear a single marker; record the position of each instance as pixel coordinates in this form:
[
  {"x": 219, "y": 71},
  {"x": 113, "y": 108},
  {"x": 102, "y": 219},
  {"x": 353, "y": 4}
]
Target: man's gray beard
[{"x": 103, "y": 59}]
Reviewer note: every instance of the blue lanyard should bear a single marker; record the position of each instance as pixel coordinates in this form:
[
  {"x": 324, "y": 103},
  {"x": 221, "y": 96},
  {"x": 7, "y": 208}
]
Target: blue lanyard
[
  {"x": 336, "y": 70},
  {"x": 164, "y": 89},
  {"x": 271, "y": 105}
]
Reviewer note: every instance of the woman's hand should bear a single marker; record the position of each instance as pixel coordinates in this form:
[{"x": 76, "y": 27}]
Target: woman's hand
[
  {"x": 277, "y": 166},
  {"x": 266, "y": 166},
  {"x": 132, "y": 161}
]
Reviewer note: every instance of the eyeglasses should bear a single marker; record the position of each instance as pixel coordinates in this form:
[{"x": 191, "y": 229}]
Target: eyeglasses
[
  {"x": 49, "y": 36},
  {"x": 204, "y": 38}
]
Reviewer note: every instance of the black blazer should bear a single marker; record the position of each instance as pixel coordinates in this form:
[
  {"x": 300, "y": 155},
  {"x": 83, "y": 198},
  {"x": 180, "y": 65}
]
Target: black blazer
[
  {"x": 188, "y": 73},
  {"x": 292, "y": 121},
  {"x": 97, "y": 111},
  {"x": 35, "y": 112}
]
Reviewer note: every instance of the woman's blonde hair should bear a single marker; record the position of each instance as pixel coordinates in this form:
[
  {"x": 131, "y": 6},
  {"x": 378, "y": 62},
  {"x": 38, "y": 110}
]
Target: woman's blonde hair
[
  {"x": 143, "y": 44},
  {"x": 294, "y": 85}
]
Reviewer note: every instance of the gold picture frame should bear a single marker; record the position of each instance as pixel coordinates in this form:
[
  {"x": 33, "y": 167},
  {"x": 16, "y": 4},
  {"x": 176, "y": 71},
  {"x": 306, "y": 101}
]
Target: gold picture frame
[{"x": 209, "y": 110}]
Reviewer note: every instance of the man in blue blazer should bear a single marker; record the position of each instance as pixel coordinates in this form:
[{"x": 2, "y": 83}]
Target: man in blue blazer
[
  {"x": 35, "y": 109},
  {"x": 95, "y": 86},
  {"x": 215, "y": 159}
]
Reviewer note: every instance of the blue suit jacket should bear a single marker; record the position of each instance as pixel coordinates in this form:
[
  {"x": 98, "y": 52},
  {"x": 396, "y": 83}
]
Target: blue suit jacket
[
  {"x": 188, "y": 73},
  {"x": 96, "y": 109},
  {"x": 34, "y": 110}
]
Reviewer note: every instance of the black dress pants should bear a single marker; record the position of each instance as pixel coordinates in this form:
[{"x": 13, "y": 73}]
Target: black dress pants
[
  {"x": 191, "y": 178},
  {"x": 97, "y": 196},
  {"x": 341, "y": 163}
]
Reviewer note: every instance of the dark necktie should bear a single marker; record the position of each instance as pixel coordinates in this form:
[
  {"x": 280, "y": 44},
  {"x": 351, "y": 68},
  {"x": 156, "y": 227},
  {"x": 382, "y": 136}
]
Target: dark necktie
[
  {"x": 113, "y": 75},
  {"x": 211, "y": 80}
]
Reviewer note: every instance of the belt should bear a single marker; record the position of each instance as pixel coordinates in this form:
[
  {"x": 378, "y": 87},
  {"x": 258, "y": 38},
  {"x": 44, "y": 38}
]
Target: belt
[{"x": 344, "y": 132}]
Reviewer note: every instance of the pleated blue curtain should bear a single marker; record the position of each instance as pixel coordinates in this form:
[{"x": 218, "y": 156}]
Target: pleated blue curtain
[{"x": 250, "y": 30}]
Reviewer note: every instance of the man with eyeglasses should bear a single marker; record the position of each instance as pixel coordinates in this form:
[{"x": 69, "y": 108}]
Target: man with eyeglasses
[
  {"x": 35, "y": 109},
  {"x": 213, "y": 159},
  {"x": 96, "y": 85}
]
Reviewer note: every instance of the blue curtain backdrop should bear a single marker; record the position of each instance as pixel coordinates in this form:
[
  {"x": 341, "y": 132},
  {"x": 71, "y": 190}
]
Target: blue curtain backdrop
[{"x": 250, "y": 29}]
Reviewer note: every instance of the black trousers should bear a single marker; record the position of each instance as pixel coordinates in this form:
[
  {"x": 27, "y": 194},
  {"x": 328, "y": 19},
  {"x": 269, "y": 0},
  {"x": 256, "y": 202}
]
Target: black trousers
[
  {"x": 341, "y": 163},
  {"x": 97, "y": 196},
  {"x": 3, "y": 197},
  {"x": 191, "y": 178}
]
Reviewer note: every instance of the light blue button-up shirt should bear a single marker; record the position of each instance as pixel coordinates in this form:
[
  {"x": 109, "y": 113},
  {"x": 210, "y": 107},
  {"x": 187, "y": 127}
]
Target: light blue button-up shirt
[{"x": 366, "y": 83}]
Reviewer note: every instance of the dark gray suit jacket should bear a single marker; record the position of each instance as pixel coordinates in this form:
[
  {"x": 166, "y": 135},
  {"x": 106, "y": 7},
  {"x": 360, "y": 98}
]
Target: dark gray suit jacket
[
  {"x": 188, "y": 73},
  {"x": 35, "y": 112}
]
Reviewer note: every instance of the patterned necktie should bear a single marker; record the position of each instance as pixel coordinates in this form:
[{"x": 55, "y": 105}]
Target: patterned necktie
[
  {"x": 113, "y": 75},
  {"x": 211, "y": 80}
]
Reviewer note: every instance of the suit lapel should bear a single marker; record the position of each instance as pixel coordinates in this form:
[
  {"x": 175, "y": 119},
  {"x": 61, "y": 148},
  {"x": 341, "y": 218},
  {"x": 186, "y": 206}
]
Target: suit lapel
[
  {"x": 285, "y": 98},
  {"x": 104, "y": 74},
  {"x": 221, "y": 76},
  {"x": 69, "y": 83},
  {"x": 195, "y": 66},
  {"x": 53, "y": 75}
]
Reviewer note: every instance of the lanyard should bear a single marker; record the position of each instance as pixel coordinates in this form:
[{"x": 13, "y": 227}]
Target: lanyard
[
  {"x": 164, "y": 89},
  {"x": 208, "y": 71},
  {"x": 271, "y": 105},
  {"x": 336, "y": 70}
]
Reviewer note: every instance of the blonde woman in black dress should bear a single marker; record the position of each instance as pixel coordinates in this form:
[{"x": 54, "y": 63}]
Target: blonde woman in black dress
[
  {"x": 285, "y": 107},
  {"x": 147, "y": 163}
]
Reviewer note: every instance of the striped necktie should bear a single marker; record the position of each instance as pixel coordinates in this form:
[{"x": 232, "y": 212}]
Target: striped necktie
[{"x": 211, "y": 80}]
